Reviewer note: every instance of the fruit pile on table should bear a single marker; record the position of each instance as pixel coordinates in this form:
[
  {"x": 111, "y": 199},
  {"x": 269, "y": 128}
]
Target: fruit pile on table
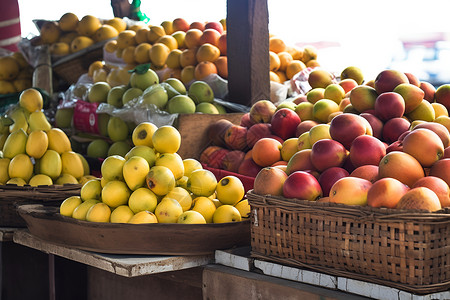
[{"x": 382, "y": 143}]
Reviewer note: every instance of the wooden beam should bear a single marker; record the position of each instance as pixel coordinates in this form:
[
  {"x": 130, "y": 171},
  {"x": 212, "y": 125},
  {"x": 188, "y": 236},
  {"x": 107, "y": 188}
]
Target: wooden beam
[{"x": 248, "y": 51}]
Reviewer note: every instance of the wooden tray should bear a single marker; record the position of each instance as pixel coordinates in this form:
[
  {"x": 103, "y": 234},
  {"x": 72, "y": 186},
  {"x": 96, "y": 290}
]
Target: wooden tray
[{"x": 150, "y": 239}]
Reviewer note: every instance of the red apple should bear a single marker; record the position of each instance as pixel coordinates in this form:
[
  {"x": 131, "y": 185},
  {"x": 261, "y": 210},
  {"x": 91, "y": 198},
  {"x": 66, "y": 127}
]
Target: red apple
[
  {"x": 304, "y": 126},
  {"x": 236, "y": 137},
  {"x": 249, "y": 168},
  {"x": 257, "y": 132},
  {"x": 216, "y": 131},
  {"x": 348, "y": 84},
  {"x": 213, "y": 156},
  {"x": 262, "y": 111},
  {"x": 366, "y": 150},
  {"x": 368, "y": 172},
  {"x": 328, "y": 177},
  {"x": 446, "y": 152},
  {"x": 393, "y": 128},
  {"x": 232, "y": 160},
  {"x": 345, "y": 127},
  {"x": 299, "y": 99},
  {"x": 394, "y": 146},
  {"x": 389, "y": 105},
  {"x": 246, "y": 121},
  {"x": 437, "y": 128},
  {"x": 429, "y": 91},
  {"x": 302, "y": 185},
  {"x": 387, "y": 80},
  {"x": 442, "y": 95},
  {"x": 300, "y": 161},
  {"x": 375, "y": 123},
  {"x": 441, "y": 169},
  {"x": 412, "y": 95},
  {"x": 412, "y": 79},
  {"x": 284, "y": 123},
  {"x": 327, "y": 153},
  {"x": 214, "y": 25}
]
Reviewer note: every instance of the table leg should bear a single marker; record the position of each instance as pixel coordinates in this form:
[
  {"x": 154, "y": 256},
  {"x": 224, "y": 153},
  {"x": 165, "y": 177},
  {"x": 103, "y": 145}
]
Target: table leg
[{"x": 51, "y": 274}]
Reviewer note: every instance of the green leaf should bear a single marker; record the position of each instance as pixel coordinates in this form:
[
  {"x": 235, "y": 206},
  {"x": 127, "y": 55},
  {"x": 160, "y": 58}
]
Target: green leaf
[{"x": 140, "y": 69}]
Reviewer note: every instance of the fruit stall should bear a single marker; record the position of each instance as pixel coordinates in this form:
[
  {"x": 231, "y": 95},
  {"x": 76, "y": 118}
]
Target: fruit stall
[{"x": 213, "y": 160}]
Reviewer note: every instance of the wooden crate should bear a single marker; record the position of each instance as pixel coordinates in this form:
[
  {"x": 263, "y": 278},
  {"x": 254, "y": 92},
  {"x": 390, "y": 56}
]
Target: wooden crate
[{"x": 193, "y": 130}]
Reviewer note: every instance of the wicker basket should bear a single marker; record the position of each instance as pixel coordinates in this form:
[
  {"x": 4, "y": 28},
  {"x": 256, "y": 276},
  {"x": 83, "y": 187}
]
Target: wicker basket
[
  {"x": 12, "y": 196},
  {"x": 403, "y": 249}
]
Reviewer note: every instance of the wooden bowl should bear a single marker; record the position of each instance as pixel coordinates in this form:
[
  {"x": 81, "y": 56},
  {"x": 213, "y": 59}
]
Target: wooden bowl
[{"x": 46, "y": 223}]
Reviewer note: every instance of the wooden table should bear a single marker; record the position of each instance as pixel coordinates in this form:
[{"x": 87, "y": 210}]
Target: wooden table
[
  {"x": 125, "y": 276},
  {"x": 253, "y": 277}
]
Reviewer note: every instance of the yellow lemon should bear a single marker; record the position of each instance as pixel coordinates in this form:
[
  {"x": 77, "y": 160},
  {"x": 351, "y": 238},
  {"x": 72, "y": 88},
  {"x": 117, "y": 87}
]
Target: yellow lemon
[
  {"x": 68, "y": 22},
  {"x": 37, "y": 144},
  {"x": 168, "y": 210},
  {"x": 80, "y": 43},
  {"x": 111, "y": 46},
  {"x": 112, "y": 167},
  {"x": 118, "y": 23},
  {"x": 4, "y": 175},
  {"x": 143, "y": 217},
  {"x": 95, "y": 65},
  {"x": 20, "y": 166},
  {"x": 40, "y": 179},
  {"x": 115, "y": 193},
  {"x": 160, "y": 180},
  {"x": 50, "y": 164},
  {"x": 182, "y": 196},
  {"x": 86, "y": 178},
  {"x": 50, "y": 32},
  {"x": 135, "y": 170},
  {"x": 88, "y": 25},
  {"x": 244, "y": 208},
  {"x": 142, "y": 199},
  {"x": 68, "y": 205},
  {"x": 166, "y": 139},
  {"x": 99, "y": 212},
  {"x": 72, "y": 164},
  {"x": 226, "y": 213},
  {"x": 230, "y": 190},
  {"x": 142, "y": 53},
  {"x": 81, "y": 210},
  {"x": 191, "y": 217},
  {"x": 91, "y": 190},
  {"x": 9, "y": 68},
  {"x": 202, "y": 183},
  {"x": 17, "y": 181},
  {"x": 126, "y": 38},
  {"x": 173, "y": 161},
  {"x": 206, "y": 207},
  {"x": 31, "y": 99},
  {"x": 143, "y": 133},
  {"x": 58, "y": 140},
  {"x": 105, "y": 32},
  {"x": 169, "y": 41},
  {"x": 121, "y": 214},
  {"x": 66, "y": 178}
]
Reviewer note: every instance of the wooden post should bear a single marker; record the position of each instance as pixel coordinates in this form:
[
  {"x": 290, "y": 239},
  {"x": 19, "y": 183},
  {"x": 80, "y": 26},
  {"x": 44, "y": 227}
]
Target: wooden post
[{"x": 248, "y": 51}]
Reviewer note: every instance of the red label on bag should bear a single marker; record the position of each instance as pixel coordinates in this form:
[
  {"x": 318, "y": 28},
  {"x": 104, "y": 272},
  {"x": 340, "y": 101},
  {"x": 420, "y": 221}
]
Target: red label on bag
[{"x": 85, "y": 117}]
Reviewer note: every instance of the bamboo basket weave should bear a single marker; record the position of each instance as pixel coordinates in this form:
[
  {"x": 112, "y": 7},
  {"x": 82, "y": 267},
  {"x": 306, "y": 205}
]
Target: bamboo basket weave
[
  {"x": 11, "y": 196},
  {"x": 408, "y": 250}
]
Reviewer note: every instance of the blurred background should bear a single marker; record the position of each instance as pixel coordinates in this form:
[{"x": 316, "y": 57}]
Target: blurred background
[{"x": 408, "y": 35}]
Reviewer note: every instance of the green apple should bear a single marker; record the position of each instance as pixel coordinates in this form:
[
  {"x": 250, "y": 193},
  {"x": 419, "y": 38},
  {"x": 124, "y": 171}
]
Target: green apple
[
  {"x": 177, "y": 84},
  {"x": 220, "y": 108},
  {"x": 117, "y": 129},
  {"x": 97, "y": 148},
  {"x": 119, "y": 148},
  {"x": 206, "y": 108},
  {"x": 63, "y": 117},
  {"x": 171, "y": 92},
  {"x": 102, "y": 123},
  {"x": 156, "y": 95},
  {"x": 130, "y": 94},
  {"x": 115, "y": 94},
  {"x": 200, "y": 91},
  {"x": 143, "y": 81},
  {"x": 181, "y": 104},
  {"x": 98, "y": 92}
]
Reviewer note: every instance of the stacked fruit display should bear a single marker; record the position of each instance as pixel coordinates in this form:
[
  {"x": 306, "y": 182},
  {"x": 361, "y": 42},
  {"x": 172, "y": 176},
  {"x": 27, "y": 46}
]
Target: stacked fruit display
[
  {"x": 15, "y": 73},
  {"x": 193, "y": 51},
  {"x": 142, "y": 91},
  {"x": 34, "y": 152},
  {"x": 153, "y": 184},
  {"x": 70, "y": 34},
  {"x": 383, "y": 143}
]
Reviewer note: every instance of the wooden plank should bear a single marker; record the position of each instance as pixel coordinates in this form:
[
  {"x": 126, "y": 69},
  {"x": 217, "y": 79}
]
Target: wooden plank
[
  {"x": 193, "y": 129},
  {"x": 42, "y": 75},
  {"x": 6, "y": 234},
  {"x": 248, "y": 51},
  {"x": 124, "y": 265},
  {"x": 220, "y": 282}
]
